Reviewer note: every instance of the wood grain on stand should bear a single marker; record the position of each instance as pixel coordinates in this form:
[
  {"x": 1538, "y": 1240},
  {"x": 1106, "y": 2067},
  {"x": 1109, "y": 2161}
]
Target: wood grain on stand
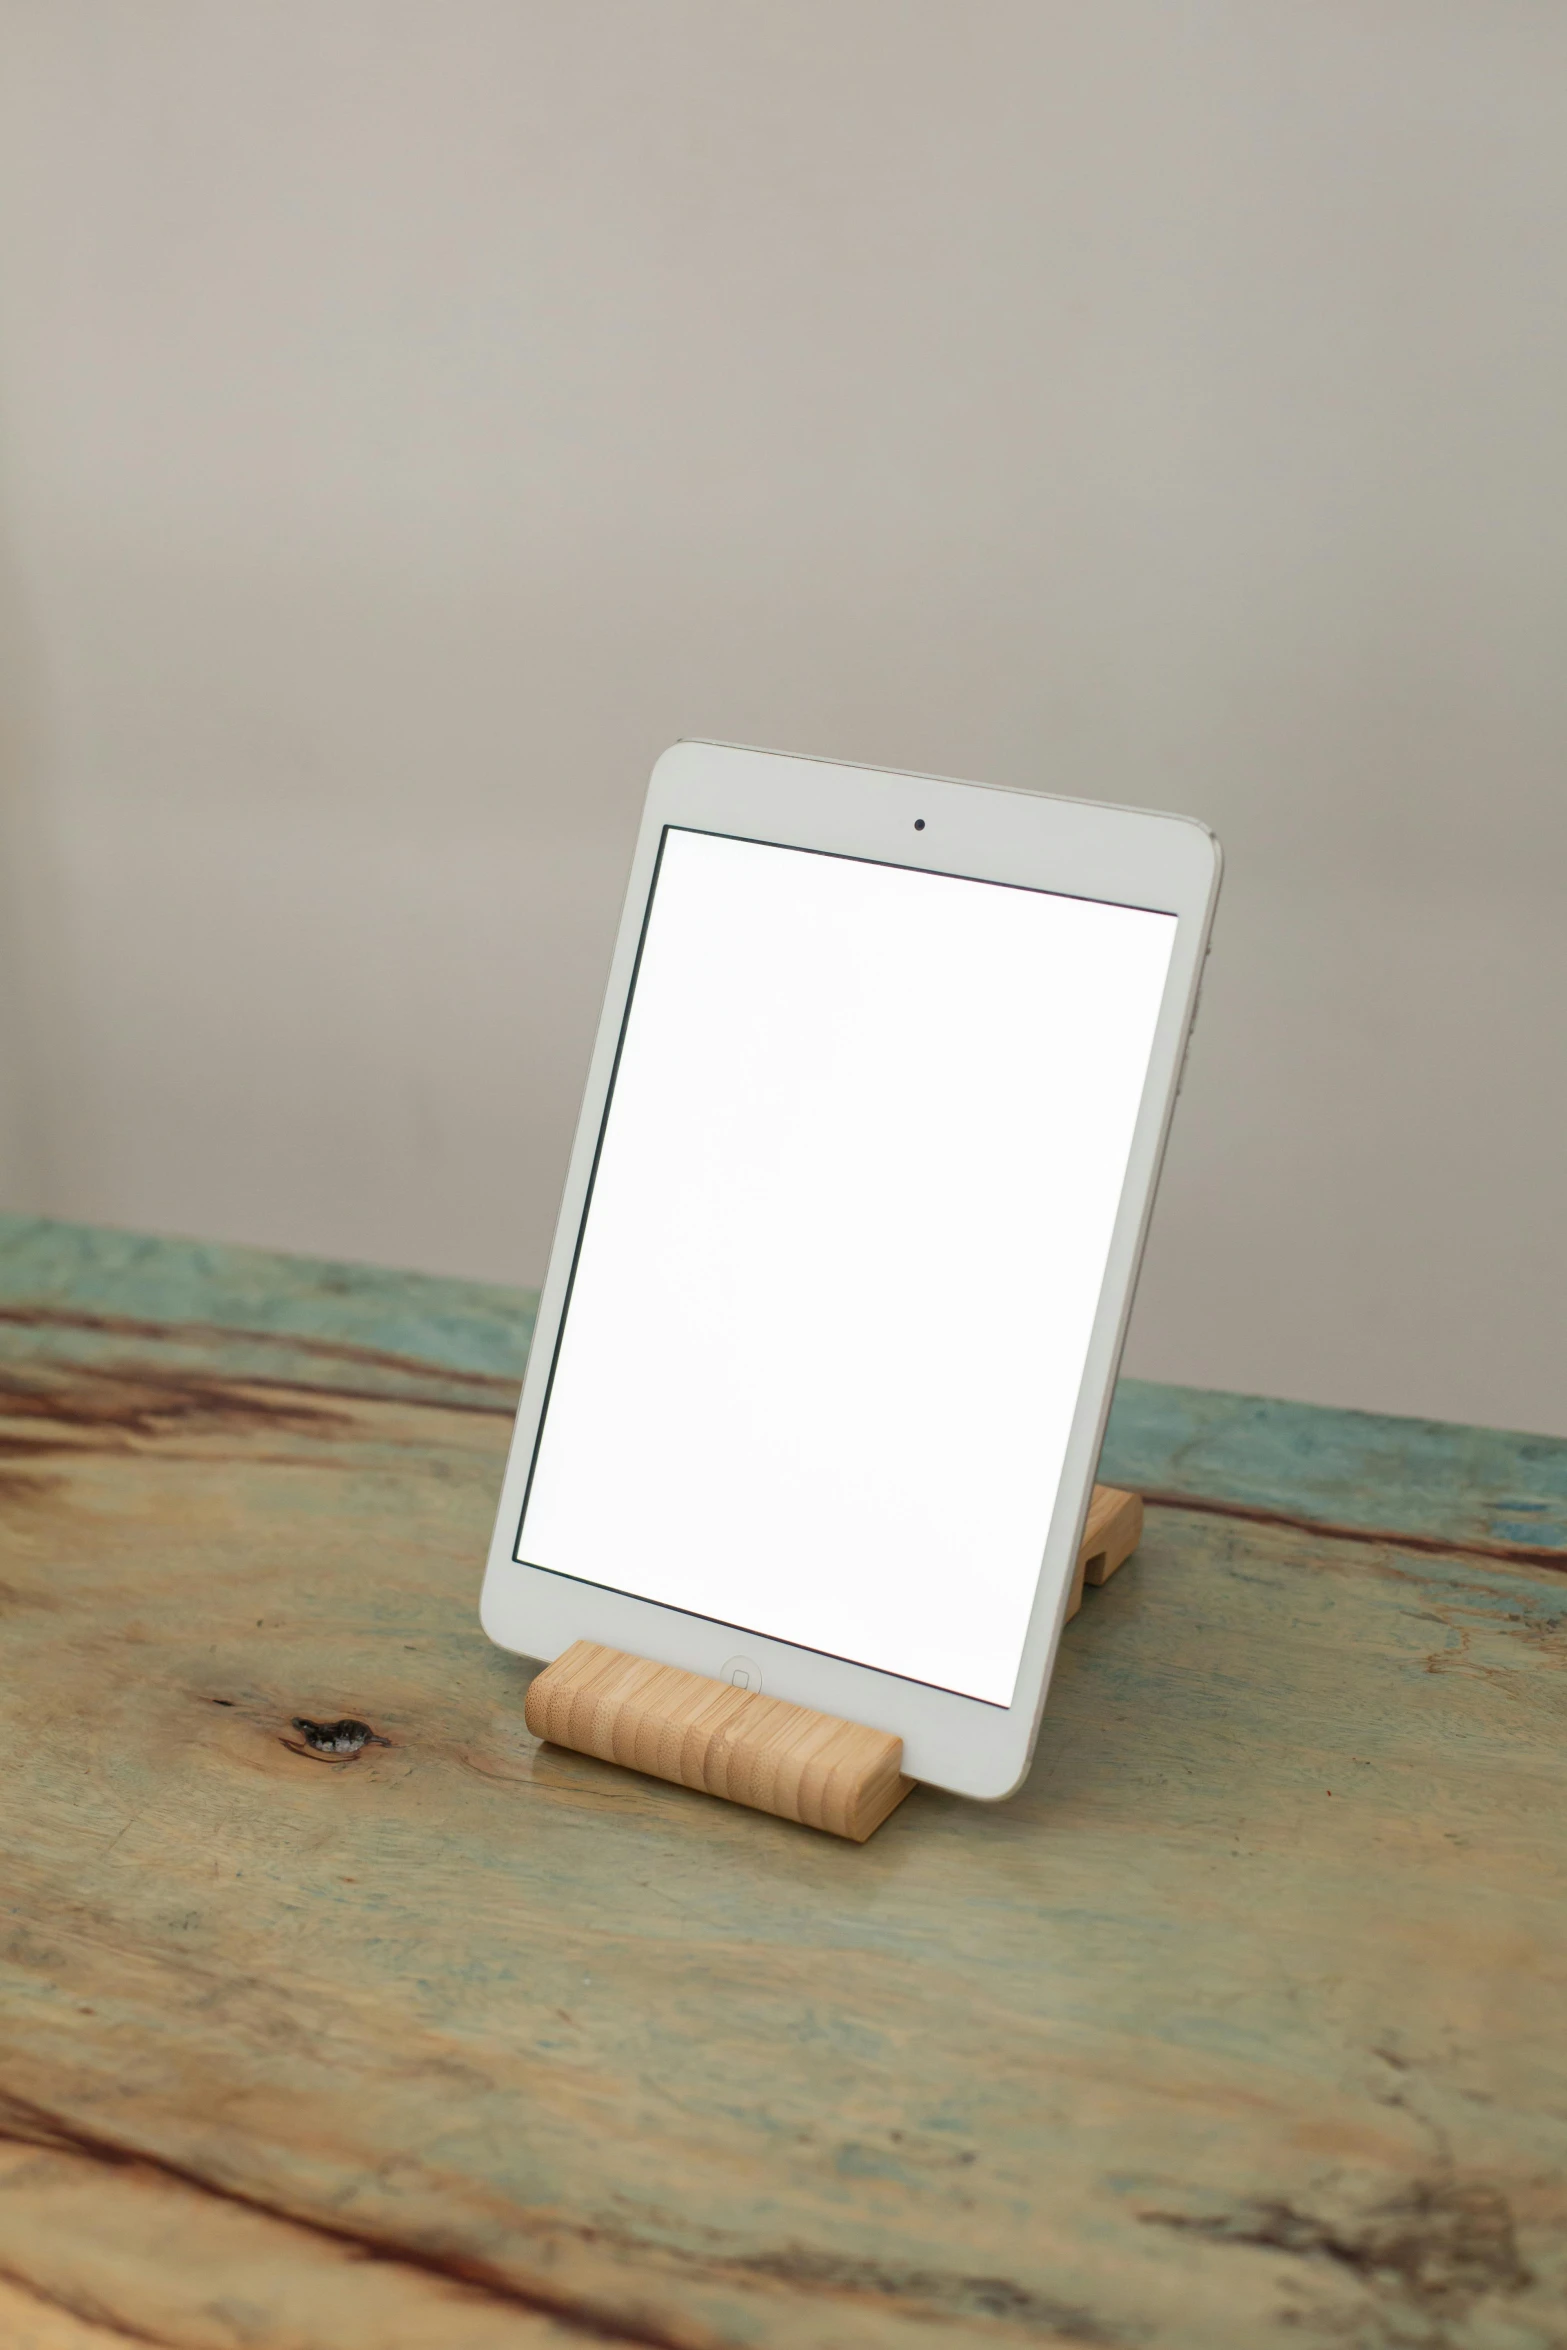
[
  {"x": 335, "y": 2010},
  {"x": 735, "y": 1743}
]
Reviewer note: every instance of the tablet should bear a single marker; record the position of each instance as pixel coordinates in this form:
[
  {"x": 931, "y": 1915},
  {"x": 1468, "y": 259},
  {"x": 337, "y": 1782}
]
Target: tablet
[{"x": 831, "y": 1323}]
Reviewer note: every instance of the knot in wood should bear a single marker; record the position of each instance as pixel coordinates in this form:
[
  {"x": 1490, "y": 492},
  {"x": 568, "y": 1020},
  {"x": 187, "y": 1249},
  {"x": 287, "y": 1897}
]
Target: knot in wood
[{"x": 345, "y": 1737}]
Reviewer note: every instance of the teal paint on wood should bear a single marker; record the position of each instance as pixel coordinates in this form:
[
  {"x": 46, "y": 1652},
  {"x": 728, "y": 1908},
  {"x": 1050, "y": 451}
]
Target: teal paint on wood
[
  {"x": 370, "y": 1331},
  {"x": 1425, "y": 1478},
  {"x": 301, "y": 1319}
]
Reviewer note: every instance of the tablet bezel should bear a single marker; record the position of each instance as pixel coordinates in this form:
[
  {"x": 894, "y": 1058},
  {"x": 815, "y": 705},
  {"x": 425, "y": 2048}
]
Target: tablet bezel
[{"x": 1121, "y": 856}]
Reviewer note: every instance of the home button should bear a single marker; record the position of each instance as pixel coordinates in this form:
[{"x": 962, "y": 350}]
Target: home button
[{"x": 741, "y": 1672}]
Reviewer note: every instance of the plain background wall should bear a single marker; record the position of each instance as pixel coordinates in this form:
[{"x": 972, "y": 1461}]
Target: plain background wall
[{"x": 416, "y": 414}]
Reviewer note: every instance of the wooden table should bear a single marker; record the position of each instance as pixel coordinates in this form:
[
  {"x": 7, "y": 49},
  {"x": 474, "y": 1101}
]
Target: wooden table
[{"x": 1242, "y": 2025}]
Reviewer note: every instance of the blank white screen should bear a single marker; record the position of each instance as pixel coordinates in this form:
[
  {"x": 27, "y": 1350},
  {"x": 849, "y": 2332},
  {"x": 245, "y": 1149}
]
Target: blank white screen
[{"x": 843, "y": 1251}]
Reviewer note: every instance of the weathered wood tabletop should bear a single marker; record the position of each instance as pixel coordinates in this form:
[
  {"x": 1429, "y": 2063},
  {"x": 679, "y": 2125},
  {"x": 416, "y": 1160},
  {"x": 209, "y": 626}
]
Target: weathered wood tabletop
[{"x": 1242, "y": 2024}]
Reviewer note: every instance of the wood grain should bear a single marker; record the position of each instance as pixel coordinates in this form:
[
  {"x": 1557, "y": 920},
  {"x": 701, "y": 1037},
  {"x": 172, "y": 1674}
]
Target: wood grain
[
  {"x": 1242, "y": 2025},
  {"x": 125, "y": 2251},
  {"x": 739, "y": 1744}
]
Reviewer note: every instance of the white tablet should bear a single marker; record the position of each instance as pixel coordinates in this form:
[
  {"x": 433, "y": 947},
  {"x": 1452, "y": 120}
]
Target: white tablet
[{"x": 848, "y": 1242}]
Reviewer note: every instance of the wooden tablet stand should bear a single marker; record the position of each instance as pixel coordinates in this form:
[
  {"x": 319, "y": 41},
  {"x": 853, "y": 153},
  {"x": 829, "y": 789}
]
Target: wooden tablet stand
[{"x": 760, "y": 1750}]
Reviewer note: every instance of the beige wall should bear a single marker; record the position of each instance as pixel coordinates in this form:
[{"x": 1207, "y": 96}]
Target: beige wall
[{"x": 418, "y": 412}]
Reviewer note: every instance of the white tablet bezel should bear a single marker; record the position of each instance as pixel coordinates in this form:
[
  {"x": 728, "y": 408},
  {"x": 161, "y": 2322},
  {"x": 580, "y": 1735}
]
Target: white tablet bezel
[{"x": 1121, "y": 856}]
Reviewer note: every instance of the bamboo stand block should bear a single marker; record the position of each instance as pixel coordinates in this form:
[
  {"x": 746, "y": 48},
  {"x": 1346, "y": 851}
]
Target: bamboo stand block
[
  {"x": 1111, "y": 1532},
  {"x": 737, "y": 1743},
  {"x": 754, "y": 1749}
]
